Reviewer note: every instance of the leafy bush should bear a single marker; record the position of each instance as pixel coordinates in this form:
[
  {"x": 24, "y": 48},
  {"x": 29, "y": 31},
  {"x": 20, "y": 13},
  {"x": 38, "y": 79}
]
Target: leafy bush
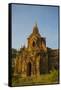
[
  {"x": 54, "y": 75},
  {"x": 51, "y": 78}
]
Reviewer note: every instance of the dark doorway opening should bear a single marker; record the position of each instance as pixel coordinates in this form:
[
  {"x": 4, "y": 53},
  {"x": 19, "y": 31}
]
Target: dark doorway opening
[
  {"x": 29, "y": 69},
  {"x": 40, "y": 70},
  {"x": 33, "y": 43},
  {"x": 42, "y": 66}
]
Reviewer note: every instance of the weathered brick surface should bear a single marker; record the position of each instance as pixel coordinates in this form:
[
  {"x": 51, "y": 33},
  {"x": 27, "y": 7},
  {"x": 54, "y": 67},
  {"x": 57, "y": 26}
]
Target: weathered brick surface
[{"x": 33, "y": 59}]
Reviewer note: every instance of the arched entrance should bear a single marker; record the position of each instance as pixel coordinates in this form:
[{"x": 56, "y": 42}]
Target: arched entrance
[
  {"x": 42, "y": 66},
  {"x": 29, "y": 69}
]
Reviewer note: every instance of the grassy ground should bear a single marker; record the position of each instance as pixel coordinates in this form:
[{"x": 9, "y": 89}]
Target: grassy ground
[{"x": 51, "y": 78}]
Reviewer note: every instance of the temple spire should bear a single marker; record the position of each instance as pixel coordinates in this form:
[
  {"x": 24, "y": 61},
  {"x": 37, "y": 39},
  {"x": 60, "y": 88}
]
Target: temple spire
[
  {"x": 35, "y": 28},
  {"x": 35, "y": 24}
]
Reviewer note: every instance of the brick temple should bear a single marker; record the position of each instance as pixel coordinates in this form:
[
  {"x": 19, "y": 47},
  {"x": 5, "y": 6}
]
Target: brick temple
[{"x": 33, "y": 59}]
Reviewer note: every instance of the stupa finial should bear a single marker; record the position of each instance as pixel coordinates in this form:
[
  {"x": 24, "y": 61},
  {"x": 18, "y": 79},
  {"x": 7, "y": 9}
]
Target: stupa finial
[
  {"x": 35, "y": 28},
  {"x": 36, "y": 23}
]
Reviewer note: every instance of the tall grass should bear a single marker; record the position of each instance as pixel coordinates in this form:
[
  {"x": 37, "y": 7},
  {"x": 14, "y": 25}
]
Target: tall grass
[{"x": 51, "y": 78}]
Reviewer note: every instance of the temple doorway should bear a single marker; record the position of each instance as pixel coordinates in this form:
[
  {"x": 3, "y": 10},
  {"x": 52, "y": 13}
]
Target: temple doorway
[{"x": 29, "y": 69}]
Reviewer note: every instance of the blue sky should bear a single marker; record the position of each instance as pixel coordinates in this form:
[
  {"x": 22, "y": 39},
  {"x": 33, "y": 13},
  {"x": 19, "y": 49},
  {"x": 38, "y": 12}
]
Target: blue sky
[{"x": 24, "y": 18}]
